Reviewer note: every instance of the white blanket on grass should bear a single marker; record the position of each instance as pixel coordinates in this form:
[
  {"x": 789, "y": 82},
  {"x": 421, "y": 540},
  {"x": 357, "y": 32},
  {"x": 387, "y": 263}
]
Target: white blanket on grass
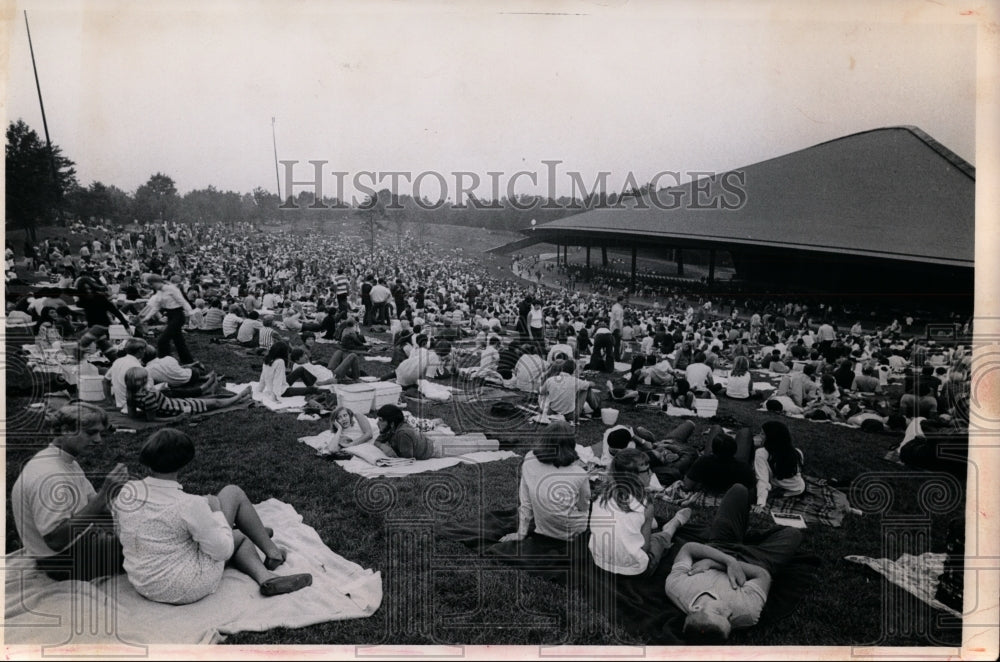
[
  {"x": 292, "y": 404},
  {"x": 109, "y": 613},
  {"x": 362, "y": 468}
]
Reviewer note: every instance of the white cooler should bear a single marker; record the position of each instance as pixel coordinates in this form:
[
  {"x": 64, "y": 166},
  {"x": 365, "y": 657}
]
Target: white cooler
[
  {"x": 356, "y": 397},
  {"x": 386, "y": 393}
]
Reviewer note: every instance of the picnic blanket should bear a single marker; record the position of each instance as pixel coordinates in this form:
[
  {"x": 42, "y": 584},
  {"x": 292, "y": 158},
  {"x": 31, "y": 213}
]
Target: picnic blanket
[
  {"x": 125, "y": 422},
  {"x": 819, "y": 504},
  {"x": 917, "y": 575},
  {"x": 41, "y": 611},
  {"x": 637, "y": 604},
  {"x": 358, "y": 466},
  {"x": 292, "y": 404}
]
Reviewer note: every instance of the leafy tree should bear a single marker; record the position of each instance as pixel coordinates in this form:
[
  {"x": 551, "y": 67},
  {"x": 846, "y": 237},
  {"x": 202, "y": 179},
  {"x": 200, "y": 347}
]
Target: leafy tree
[
  {"x": 34, "y": 194},
  {"x": 157, "y": 199}
]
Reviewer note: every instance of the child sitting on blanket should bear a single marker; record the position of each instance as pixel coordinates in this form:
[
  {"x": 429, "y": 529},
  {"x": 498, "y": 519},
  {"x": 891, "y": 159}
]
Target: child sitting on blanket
[
  {"x": 148, "y": 404},
  {"x": 621, "y": 519},
  {"x": 681, "y": 395},
  {"x": 177, "y": 545}
]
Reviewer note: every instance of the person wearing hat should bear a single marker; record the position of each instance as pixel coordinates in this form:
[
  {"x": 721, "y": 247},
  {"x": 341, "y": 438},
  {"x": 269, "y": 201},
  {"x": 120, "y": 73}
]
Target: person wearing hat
[
  {"x": 397, "y": 438},
  {"x": 169, "y": 301}
]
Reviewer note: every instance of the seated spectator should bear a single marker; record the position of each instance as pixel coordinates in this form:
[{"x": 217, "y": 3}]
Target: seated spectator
[
  {"x": 557, "y": 514},
  {"x": 777, "y": 365},
  {"x": 273, "y": 383},
  {"x": 724, "y": 462},
  {"x": 740, "y": 380},
  {"x": 397, "y": 438},
  {"x": 724, "y": 584},
  {"x": 799, "y": 386},
  {"x": 114, "y": 379},
  {"x": 70, "y": 537},
  {"x": 351, "y": 338},
  {"x": 867, "y": 381},
  {"x": 923, "y": 404},
  {"x": 529, "y": 370},
  {"x": 699, "y": 377},
  {"x": 232, "y": 322},
  {"x": 681, "y": 395},
  {"x": 777, "y": 464},
  {"x": 249, "y": 330},
  {"x": 567, "y": 394},
  {"x": 267, "y": 336},
  {"x": 827, "y": 402},
  {"x": 421, "y": 364},
  {"x": 177, "y": 545},
  {"x": 621, "y": 519},
  {"x": 213, "y": 316}
]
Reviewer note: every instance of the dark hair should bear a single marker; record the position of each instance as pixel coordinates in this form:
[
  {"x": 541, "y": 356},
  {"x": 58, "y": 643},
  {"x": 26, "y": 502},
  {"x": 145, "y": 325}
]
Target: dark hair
[
  {"x": 296, "y": 353},
  {"x": 167, "y": 450},
  {"x": 392, "y": 415},
  {"x": 569, "y": 366},
  {"x": 783, "y": 457},
  {"x": 723, "y": 446},
  {"x": 896, "y": 422},
  {"x": 558, "y": 446},
  {"x": 619, "y": 439},
  {"x": 279, "y": 350}
]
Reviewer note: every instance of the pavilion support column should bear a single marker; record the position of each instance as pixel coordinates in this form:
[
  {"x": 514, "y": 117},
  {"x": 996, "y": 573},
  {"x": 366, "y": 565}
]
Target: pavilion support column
[
  {"x": 588, "y": 256},
  {"x": 566, "y": 255},
  {"x": 632, "y": 286},
  {"x": 680, "y": 261},
  {"x": 711, "y": 267},
  {"x": 604, "y": 256}
]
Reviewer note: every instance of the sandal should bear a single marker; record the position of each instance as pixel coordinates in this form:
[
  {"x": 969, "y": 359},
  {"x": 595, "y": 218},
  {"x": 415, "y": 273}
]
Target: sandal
[
  {"x": 272, "y": 562},
  {"x": 285, "y": 584}
]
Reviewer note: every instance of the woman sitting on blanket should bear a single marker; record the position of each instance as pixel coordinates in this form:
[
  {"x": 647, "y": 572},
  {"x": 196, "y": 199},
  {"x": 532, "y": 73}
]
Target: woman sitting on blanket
[
  {"x": 776, "y": 464},
  {"x": 827, "y": 404},
  {"x": 555, "y": 489},
  {"x": 273, "y": 383},
  {"x": 397, "y": 438},
  {"x": 739, "y": 384},
  {"x": 621, "y": 519},
  {"x": 348, "y": 430},
  {"x": 149, "y": 404},
  {"x": 47, "y": 330},
  {"x": 177, "y": 545}
]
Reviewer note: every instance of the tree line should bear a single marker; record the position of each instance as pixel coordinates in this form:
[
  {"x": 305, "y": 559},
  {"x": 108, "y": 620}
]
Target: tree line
[{"x": 42, "y": 189}]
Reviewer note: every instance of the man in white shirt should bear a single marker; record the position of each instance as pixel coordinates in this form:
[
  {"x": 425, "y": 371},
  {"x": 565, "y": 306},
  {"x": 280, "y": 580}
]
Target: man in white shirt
[
  {"x": 114, "y": 378},
  {"x": 569, "y": 395},
  {"x": 724, "y": 584},
  {"x": 70, "y": 536},
  {"x": 249, "y": 330},
  {"x": 169, "y": 301}
]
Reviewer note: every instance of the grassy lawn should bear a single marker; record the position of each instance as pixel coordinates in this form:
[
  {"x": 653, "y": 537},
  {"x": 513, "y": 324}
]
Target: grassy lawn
[{"x": 440, "y": 592}]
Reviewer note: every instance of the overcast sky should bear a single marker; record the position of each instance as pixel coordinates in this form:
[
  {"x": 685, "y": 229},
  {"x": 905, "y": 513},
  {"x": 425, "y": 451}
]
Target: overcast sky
[{"x": 189, "y": 89}]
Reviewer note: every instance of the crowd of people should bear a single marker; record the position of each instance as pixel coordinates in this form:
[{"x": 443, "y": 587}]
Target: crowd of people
[{"x": 447, "y": 314}]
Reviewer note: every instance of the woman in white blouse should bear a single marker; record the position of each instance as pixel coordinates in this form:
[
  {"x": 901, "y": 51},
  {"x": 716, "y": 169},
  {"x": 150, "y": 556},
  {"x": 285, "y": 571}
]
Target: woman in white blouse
[
  {"x": 554, "y": 492},
  {"x": 177, "y": 545}
]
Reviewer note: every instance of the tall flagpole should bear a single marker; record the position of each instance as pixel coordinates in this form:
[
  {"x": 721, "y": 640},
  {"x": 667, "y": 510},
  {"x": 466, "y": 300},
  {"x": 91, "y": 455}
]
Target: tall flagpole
[
  {"x": 277, "y": 179},
  {"x": 41, "y": 104}
]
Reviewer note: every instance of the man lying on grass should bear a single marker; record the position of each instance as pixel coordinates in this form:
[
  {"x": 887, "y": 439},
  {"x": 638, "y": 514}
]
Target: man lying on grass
[{"x": 724, "y": 584}]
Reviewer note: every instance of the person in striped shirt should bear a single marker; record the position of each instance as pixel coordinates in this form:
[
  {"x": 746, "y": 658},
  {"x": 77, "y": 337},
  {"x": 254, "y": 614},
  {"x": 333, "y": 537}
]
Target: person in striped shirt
[
  {"x": 152, "y": 405},
  {"x": 341, "y": 288},
  {"x": 267, "y": 336}
]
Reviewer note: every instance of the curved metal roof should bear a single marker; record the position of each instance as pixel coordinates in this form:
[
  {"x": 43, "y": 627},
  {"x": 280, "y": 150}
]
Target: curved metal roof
[{"x": 891, "y": 193}]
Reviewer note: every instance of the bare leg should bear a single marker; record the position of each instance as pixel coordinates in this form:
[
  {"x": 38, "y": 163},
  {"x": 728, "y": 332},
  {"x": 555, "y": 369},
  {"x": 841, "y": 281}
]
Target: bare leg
[
  {"x": 241, "y": 515},
  {"x": 246, "y": 560}
]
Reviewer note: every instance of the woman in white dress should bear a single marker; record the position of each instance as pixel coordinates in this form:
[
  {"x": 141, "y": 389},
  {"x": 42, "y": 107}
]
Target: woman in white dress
[{"x": 177, "y": 545}]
